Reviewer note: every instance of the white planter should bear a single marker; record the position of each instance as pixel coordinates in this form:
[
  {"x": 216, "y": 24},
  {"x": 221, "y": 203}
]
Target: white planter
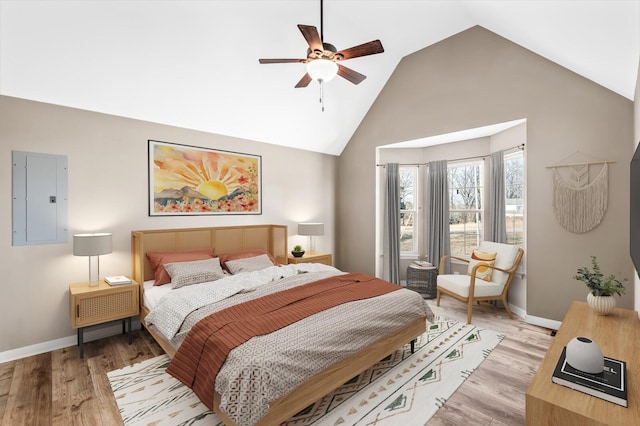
[{"x": 601, "y": 305}]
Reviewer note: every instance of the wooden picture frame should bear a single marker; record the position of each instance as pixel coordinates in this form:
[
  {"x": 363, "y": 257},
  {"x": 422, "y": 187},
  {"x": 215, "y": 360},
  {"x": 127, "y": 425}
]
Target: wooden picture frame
[{"x": 187, "y": 180}]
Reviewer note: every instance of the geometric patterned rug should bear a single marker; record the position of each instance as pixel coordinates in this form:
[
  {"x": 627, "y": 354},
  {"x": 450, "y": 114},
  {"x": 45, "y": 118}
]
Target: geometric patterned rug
[{"x": 402, "y": 389}]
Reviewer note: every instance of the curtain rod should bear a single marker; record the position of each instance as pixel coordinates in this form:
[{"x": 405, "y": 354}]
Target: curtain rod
[{"x": 521, "y": 146}]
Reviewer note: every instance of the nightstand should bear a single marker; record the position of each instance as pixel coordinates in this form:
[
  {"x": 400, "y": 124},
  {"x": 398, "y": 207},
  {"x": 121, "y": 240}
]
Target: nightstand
[
  {"x": 100, "y": 304},
  {"x": 312, "y": 257}
]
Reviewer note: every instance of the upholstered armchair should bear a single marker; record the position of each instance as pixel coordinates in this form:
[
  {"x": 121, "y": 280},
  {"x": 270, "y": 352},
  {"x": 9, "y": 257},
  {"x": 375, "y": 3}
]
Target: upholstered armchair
[{"x": 489, "y": 274}]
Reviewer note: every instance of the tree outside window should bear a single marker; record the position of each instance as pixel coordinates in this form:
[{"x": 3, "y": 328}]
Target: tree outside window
[
  {"x": 408, "y": 209},
  {"x": 465, "y": 206},
  {"x": 514, "y": 194}
]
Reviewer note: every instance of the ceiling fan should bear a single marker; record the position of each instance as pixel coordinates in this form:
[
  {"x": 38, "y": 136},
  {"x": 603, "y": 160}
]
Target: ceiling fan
[{"x": 323, "y": 59}]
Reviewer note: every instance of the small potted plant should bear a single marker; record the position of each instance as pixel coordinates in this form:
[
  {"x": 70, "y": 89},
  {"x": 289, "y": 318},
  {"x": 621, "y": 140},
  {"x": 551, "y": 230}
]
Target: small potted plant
[
  {"x": 297, "y": 251},
  {"x": 601, "y": 288}
]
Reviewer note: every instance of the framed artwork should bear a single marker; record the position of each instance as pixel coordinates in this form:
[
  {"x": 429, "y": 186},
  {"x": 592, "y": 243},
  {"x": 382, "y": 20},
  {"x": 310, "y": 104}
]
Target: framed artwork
[{"x": 187, "y": 180}]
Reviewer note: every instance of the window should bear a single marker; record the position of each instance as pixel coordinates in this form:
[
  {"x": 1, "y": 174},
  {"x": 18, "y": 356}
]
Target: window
[
  {"x": 514, "y": 194},
  {"x": 465, "y": 206},
  {"x": 408, "y": 210}
]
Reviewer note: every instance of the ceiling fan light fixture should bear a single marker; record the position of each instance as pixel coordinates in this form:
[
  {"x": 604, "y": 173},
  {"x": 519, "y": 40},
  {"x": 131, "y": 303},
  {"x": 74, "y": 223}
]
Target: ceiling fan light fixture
[{"x": 322, "y": 70}]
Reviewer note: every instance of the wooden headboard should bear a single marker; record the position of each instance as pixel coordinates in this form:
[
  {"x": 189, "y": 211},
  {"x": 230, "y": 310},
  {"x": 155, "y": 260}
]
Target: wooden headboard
[{"x": 272, "y": 238}]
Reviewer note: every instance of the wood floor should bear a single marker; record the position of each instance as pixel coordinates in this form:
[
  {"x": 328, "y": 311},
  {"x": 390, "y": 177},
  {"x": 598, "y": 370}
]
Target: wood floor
[
  {"x": 495, "y": 393},
  {"x": 59, "y": 388}
]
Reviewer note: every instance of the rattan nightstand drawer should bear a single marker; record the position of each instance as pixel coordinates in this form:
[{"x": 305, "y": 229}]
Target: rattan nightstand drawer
[{"x": 96, "y": 305}]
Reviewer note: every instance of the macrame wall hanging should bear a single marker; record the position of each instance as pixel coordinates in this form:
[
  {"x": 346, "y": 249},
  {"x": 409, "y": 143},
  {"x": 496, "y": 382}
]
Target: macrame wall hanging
[{"x": 580, "y": 194}]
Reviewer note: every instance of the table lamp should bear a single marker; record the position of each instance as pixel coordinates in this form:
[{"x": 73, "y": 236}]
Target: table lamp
[
  {"x": 92, "y": 245},
  {"x": 311, "y": 230}
]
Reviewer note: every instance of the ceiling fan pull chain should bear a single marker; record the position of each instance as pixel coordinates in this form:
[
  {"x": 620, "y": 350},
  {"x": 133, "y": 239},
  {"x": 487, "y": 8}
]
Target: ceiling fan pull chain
[
  {"x": 321, "y": 22},
  {"x": 321, "y": 95}
]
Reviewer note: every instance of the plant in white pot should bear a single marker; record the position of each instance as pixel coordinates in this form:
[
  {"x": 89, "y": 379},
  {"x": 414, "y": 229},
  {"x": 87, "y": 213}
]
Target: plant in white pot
[{"x": 601, "y": 288}]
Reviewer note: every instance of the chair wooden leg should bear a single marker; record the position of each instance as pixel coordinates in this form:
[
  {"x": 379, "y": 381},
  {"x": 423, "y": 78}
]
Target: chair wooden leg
[
  {"x": 506, "y": 306},
  {"x": 469, "y": 310},
  {"x": 437, "y": 297}
]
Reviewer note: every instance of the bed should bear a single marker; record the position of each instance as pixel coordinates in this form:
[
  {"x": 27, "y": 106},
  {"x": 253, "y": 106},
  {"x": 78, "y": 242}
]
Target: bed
[{"x": 273, "y": 240}]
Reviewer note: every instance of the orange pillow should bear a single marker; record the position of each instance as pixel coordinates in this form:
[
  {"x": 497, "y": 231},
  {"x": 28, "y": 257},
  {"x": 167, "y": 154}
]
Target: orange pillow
[
  {"x": 483, "y": 255},
  {"x": 483, "y": 258},
  {"x": 158, "y": 259},
  {"x": 225, "y": 257}
]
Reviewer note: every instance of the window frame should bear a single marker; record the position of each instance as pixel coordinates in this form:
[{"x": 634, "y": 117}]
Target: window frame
[
  {"x": 520, "y": 209},
  {"x": 415, "y": 238},
  {"x": 455, "y": 212}
]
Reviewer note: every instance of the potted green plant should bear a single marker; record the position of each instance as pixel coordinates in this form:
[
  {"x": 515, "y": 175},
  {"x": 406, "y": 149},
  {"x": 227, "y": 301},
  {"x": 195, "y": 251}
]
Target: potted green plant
[
  {"x": 601, "y": 288},
  {"x": 297, "y": 251}
]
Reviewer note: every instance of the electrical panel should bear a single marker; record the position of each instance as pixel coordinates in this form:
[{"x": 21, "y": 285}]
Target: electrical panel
[{"x": 39, "y": 198}]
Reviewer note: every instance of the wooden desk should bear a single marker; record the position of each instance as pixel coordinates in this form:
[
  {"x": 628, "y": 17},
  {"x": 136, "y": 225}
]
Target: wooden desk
[{"x": 618, "y": 335}]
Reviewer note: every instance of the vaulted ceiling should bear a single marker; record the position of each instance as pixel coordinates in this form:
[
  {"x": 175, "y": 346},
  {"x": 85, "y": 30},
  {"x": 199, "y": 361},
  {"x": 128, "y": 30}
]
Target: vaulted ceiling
[{"x": 194, "y": 64}]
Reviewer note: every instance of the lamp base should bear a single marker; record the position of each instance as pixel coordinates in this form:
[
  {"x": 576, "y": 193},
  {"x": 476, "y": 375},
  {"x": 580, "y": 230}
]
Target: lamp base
[{"x": 94, "y": 283}]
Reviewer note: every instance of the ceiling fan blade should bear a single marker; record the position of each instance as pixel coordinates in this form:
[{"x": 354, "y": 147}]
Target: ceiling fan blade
[
  {"x": 370, "y": 48},
  {"x": 310, "y": 34},
  {"x": 280, "y": 61},
  {"x": 351, "y": 75},
  {"x": 304, "y": 81}
]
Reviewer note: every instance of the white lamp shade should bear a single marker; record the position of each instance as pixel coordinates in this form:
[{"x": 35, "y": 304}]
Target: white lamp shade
[
  {"x": 322, "y": 69},
  {"x": 311, "y": 229},
  {"x": 92, "y": 244}
]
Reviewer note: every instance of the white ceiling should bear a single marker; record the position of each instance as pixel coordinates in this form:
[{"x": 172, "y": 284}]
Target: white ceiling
[
  {"x": 461, "y": 135},
  {"x": 194, "y": 64}
]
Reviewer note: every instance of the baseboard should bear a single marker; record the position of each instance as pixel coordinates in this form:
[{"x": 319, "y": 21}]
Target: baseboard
[
  {"x": 64, "y": 342},
  {"x": 529, "y": 319},
  {"x": 542, "y": 322},
  {"x": 517, "y": 311}
]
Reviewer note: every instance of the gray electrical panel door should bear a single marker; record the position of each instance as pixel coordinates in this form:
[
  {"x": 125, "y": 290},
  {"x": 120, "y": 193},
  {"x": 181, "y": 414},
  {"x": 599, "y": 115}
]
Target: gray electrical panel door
[{"x": 39, "y": 198}]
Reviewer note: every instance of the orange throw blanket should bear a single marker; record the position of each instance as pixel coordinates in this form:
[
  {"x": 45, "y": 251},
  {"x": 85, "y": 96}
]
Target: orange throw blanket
[{"x": 204, "y": 350}]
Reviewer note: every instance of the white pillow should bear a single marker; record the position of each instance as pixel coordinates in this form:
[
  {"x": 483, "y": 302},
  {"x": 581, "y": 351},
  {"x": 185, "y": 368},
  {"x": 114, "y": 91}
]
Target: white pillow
[
  {"x": 249, "y": 264},
  {"x": 194, "y": 272}
]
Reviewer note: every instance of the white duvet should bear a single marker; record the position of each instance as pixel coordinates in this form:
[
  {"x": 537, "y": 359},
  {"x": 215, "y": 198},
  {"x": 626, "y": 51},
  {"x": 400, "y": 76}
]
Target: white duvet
[
  {"x": 268, "y": 367},
  {"x": 170, "y": 311}
]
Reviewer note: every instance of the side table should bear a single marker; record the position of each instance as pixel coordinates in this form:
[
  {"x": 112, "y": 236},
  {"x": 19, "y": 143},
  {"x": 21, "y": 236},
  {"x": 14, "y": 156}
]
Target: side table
[
  {"x": 423, "y": 279},
  {"x": 618, "y": 335},
  {"x": 312, "y": 257},
  {"x": 92, "y": 305}
]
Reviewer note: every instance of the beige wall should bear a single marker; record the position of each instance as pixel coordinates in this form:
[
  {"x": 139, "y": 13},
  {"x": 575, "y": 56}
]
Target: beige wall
[
  {"x": 478, "y": 78},
  {"x": 108, "y": 192}
]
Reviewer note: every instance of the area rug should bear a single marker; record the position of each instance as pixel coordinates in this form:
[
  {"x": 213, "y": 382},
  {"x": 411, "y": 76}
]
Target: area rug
[{"x": 403, "y": 388}]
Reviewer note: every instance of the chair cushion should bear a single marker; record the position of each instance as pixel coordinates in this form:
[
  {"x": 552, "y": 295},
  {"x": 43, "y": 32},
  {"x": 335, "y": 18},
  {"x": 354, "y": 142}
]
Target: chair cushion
[
  {"x": 482, "y": 258},
  {"x": 459, "y": 284},
  {"x": 506, "y": 255}
]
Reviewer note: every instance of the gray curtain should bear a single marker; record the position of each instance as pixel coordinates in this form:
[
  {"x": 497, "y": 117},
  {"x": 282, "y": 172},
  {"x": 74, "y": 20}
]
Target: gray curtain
[
  {"x": 497, "y": 215},
  {"x": 438, "y": 222},
  {"x": 392, "y": 224}
]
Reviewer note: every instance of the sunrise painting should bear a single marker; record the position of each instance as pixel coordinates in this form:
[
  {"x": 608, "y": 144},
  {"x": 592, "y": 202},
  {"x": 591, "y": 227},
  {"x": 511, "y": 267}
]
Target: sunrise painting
[{"x": 187, "y": 180}]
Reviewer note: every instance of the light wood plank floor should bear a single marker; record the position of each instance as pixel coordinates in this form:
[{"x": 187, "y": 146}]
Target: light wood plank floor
[
  {"x": 59, "y": 388},
  {"x": 495, "y": 393}
]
